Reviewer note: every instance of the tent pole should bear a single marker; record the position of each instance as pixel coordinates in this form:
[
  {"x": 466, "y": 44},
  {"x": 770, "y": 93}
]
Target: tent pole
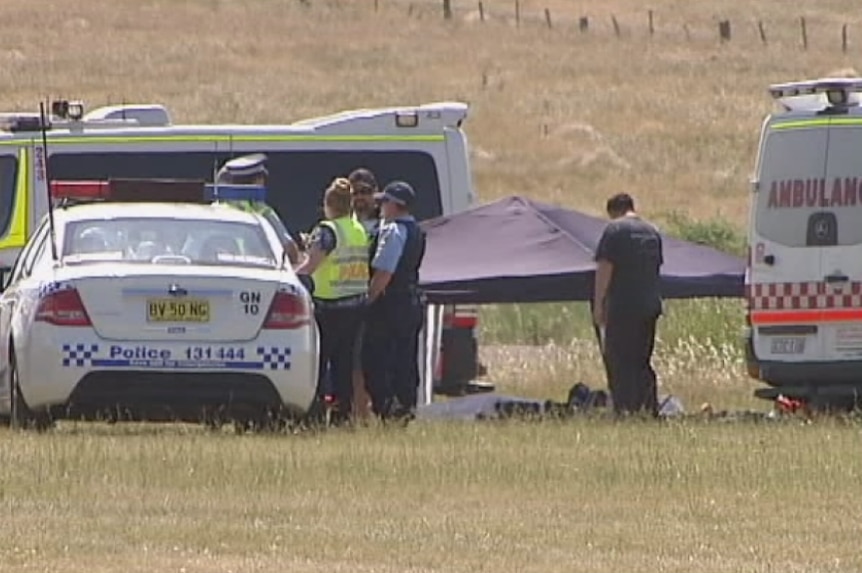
[{"x": 601, "y": 342}]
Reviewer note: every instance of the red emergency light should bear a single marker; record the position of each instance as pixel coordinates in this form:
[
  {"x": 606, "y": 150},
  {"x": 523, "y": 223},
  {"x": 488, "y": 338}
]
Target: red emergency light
[
  {"x": 80, "y": 190},
  {"x": 131, "y": 190}
]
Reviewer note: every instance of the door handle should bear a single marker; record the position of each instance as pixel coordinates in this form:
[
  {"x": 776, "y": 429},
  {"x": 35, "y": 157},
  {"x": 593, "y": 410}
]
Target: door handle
[{"x": 836, "y": 278}]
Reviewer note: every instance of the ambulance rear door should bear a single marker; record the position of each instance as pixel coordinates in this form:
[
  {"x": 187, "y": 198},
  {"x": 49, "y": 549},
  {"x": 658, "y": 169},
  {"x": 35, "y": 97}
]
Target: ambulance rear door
[
  {"x": 839, "y": 228},
  {"x": 785, "y": 274}
]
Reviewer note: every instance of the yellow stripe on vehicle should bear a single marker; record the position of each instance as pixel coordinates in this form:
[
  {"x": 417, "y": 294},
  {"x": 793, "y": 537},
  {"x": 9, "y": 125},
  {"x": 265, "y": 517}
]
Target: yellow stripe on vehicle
[
  {"x": 809, "y": 123},
  {"x": 97, "y": 140},
  {"x": 17, "y": 235}
]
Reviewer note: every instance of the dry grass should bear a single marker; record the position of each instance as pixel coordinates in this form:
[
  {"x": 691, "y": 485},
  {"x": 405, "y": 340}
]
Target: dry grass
[
  {"x": 585, "y": 496},
  {"x": 557, "y": 116}
]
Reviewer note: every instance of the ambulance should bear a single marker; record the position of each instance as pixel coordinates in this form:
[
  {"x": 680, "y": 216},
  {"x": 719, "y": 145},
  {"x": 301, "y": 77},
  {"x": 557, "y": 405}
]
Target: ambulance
[
  {"x": 424, "y": 145},
  {"x": 804, "y": 277}
]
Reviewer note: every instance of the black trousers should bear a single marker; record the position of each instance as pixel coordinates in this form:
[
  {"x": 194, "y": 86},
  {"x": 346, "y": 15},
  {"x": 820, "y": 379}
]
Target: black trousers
[
  {"x": 390, "y": 354},
  {"x": 629, "y": 343},
  {"x": 338, "y": 329}
]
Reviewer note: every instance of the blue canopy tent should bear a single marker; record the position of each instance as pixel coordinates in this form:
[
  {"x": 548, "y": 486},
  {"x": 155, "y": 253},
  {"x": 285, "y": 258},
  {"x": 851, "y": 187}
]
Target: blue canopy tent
[{"x": 517, "y": 250}]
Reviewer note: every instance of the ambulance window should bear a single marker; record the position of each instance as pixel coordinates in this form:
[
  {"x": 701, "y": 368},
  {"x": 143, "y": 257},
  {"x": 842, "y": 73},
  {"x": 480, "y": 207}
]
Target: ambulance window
[
  {"x": 297, "y": 178},
  {"x": 8, "y": 176},
  {"x": 842, "y": 191},
  {"x": 792, "y": 170}
]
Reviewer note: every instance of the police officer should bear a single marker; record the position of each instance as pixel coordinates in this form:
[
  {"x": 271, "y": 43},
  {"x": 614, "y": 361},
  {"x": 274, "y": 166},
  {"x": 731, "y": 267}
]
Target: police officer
[
  {"x": 251, "y": 170},
  {"x": 364, "y": 185},
  {"x": 338, "y": 263},
  {"x": 367, "y": 212},
  {"x": 395, "y": 315}
]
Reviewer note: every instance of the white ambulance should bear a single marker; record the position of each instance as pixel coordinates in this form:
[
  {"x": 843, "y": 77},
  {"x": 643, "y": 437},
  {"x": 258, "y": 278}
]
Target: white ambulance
[
  {"x": 424, "y": 145},
  {"x": 804, "y": 278}
]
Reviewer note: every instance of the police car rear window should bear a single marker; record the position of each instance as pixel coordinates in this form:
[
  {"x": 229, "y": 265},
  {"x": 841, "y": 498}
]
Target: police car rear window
[
  {"x": 297, "y": 179},
  {"x": 167, "y": 240},
  {"x": 811, "y": 188},
  {"x": 8, "y": 176}
]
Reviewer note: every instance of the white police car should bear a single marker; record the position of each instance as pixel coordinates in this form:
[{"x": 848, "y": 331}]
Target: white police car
[{"x": 155, "y": 310}]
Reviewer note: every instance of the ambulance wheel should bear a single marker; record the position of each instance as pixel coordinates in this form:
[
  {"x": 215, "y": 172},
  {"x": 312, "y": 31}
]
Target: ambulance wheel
[{"x": 22, "y": 417}]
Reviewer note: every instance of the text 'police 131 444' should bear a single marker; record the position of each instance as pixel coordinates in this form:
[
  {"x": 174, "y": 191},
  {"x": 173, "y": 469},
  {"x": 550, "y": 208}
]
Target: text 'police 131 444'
[{"x": 189, "y": 353}]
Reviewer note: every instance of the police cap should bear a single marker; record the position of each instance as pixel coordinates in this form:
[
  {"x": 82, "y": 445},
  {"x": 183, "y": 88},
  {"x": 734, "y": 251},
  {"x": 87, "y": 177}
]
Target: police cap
[
  {"x": 246, "y": 166},
  {"x": 398, "y": 192}
]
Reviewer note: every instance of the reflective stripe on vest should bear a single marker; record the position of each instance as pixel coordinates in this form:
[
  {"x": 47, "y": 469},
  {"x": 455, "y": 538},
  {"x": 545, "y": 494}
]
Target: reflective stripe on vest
[
  {"x": 345, "y": 271},
  {"x": 18, "y": 225}
]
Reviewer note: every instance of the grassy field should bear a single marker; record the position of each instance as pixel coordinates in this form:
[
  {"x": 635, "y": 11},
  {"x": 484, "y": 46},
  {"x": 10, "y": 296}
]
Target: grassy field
[{"x": 556, "y": 115}]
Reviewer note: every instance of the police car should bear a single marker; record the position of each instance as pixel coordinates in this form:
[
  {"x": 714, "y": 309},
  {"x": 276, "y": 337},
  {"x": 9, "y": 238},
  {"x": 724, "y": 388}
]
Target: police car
[
  {"x": 144, "y": 308},
  {"x": 804, "y": 278}
]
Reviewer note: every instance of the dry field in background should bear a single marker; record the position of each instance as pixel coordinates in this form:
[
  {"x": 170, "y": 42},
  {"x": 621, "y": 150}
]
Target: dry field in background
[{"x": 557, "y": 116}]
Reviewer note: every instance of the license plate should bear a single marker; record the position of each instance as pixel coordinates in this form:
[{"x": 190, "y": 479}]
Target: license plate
[
  {"x": 788, "y": 345},
  {"x": 170, "y": 310}
]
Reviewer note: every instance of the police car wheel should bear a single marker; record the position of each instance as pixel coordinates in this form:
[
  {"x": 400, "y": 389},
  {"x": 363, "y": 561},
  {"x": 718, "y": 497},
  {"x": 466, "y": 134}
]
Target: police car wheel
[{"x": 22, "y": 417}]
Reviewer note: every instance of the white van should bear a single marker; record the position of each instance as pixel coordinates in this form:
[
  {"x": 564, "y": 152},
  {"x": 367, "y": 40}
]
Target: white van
[
  {"x": 424, "y": 145},
  {"x": 804, "y": 278}
]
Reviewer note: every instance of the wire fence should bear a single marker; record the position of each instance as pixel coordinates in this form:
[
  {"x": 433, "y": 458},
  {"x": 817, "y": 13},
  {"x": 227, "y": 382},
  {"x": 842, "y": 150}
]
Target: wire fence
[{"x": 800, "y": 30}]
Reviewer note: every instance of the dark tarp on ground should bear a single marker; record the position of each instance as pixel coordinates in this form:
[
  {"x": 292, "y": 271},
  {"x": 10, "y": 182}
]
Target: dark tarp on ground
[{"x": 519, "y": 250}]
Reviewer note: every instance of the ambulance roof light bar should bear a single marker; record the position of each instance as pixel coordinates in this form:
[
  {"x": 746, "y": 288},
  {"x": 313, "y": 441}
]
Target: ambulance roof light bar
[{"x": 839, "y": 91}]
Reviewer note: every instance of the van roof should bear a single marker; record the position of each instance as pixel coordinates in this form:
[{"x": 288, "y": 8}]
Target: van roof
[{"x": 431, "y": 118}]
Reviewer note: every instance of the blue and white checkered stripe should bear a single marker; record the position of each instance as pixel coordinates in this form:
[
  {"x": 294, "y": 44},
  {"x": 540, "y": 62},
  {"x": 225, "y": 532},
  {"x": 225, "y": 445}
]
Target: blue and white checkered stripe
[
  {"x": 274, "y": 358},
  {"x": 79, "y": 354}
]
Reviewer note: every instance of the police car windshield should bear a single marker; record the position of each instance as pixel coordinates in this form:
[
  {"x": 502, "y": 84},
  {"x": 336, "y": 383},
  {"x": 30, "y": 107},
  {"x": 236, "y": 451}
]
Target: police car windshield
[{"x": 155, "y": 240}]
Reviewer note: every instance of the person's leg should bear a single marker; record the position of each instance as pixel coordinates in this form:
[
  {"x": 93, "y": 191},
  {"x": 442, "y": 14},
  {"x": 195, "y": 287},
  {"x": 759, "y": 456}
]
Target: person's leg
[
  {"x": 406, "y": 371},
  {"x": 376, "y": 353},
  {"x": 324, "y": 377},
  {"x": 648, "y": 382},
  {"x": 347, "y": 323},
  {"x": 618, "y": 350},
  {"x": 361, "y": 398}
]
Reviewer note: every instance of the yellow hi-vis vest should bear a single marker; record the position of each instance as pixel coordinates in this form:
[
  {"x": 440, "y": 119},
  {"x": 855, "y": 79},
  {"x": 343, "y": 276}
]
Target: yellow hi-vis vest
[{"x": 345, "y": 271}]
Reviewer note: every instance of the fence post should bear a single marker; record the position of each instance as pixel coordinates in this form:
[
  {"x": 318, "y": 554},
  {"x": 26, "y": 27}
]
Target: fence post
[
  {"x": 616, "y": 25},
  {"x": 584, "y": 23},
  {"x": 548, "y": 18},
  {"x": 447, "y": 9},
  {"x": 804, "y": 33},
  {"x": 687, "y": 32},
  {"x": 724, "y": 30},
  {"x": 762, "y": 31},
  {"x": 651, "y": 24},
  {"x": 376, "y": 5},
  {"x": 844, "y": 38},
  {"x": 518, "y": 13},
  {"x": 481, "y": 12}
]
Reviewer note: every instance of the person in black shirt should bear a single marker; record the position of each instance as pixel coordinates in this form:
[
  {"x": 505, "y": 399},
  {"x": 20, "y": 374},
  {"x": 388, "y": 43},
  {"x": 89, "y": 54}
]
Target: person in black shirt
[{"x": 627, "y": 304}]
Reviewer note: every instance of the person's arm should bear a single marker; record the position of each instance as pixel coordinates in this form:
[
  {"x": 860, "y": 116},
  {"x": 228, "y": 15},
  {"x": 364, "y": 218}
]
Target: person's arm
[
  {"x": 604, "y": 271},
  {"x": 389, "y": 249},
  {"x": 284, "y": 236},
  {"x": 322, "y": 243}
]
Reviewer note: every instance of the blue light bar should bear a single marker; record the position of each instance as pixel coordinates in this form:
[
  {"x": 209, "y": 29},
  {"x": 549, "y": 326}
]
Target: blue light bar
[{"x": 220, "y": 192}]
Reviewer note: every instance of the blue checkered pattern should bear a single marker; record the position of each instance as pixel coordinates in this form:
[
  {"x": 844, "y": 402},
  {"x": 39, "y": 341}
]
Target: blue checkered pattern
[
  {"x": 79, "y": 354},
  {"x": 274, "y": 358}
]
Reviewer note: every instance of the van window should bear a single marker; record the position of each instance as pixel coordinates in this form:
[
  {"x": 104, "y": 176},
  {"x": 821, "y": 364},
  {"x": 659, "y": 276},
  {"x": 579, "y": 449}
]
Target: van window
[
  {"x": 8, "y": 180},
  {"x": 297, "y": 179},
  {"x": 792, "y": 172}
]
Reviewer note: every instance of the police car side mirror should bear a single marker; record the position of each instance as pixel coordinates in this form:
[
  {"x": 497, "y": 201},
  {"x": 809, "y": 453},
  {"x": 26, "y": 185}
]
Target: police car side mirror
[
  {"x": 769, "y": 259},
  {"x": 5, "y": 278}
]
